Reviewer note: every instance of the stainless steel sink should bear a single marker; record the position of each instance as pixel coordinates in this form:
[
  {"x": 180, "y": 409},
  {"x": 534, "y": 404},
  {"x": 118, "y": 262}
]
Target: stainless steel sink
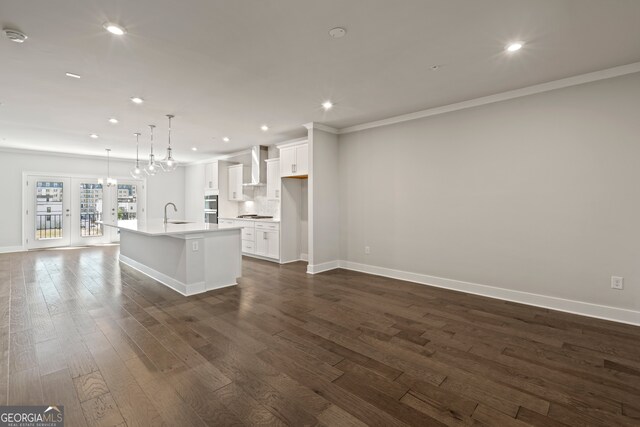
[{"x": 178, "y": 222}]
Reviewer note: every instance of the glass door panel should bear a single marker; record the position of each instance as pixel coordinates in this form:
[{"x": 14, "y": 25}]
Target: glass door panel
[
  {"x": 49, "y": 212},
  {"x": 89, "y": 202},
  {"x": 47, "y": 215}
]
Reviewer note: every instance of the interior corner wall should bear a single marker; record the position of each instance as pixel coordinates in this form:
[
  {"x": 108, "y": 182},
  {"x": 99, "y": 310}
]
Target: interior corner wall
[
  {"x": 323, "y": 214},
  {"x": 161, "y": 188},
  {"x": 194, "y": 192},
  {"x": 539, "y": 194}
]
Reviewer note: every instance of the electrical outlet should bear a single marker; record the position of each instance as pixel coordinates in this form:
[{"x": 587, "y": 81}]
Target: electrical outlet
[
  {"x": 367, "y": 250},
  {"x": 194, "y": 246},
  {"x": 617, "y": 282}
]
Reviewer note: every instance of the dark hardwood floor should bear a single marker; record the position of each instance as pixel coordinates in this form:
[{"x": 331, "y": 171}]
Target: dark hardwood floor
[{"x": 283, "y": 347}]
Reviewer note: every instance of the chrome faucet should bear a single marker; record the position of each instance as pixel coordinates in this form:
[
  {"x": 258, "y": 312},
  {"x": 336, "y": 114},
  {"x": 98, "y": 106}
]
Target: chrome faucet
[{"x": 165, "y": 210}]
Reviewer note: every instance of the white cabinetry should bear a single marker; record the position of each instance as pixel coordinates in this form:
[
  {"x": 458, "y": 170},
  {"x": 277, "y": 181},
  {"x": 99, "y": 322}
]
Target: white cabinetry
[
  {"x": 211, "y": 176},
  {"x": 268, "y": 239},
  {"x": 294, "y": 160},
  {"x": 273, "y": 179},
  {"x": 236, "y": 177}
]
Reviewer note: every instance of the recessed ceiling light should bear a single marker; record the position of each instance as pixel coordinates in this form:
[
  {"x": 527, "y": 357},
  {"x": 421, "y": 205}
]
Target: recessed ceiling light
[
  {"x": 194, "y": 148},
  {"x": 137, "y": 100},
  {"x": 226, "y": 139},
  {"x": 514, "y": 47},
  {"x": 114, "y": 29},
  {"x": 113, "y": 120},
  {"x": 337, "y": 32},
  {"x": 327, "y": 105},
  {"x": 94, "y": 136},
  {"x": 75, "y": 76},
  {"x": 15, "y": 35},
  {"x": 264, "y": 128}
]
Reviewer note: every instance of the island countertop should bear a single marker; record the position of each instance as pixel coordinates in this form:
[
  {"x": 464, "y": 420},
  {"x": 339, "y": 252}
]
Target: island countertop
[{"x": 159, "y": 228}]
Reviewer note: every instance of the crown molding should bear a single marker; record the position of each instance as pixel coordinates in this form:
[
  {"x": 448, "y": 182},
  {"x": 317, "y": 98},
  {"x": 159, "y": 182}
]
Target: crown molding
[
  {"x": 61, "y": 154},
  {"x": 504, "y": 96},
  {"x": 320, "y": 126}
]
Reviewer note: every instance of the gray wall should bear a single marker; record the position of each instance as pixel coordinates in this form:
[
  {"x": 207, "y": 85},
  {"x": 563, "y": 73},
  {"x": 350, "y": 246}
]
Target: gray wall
[
  {"x": 161, "y": 188},
  {"x": 538, "y": 194},
  {"x": 324, "y": 211}
]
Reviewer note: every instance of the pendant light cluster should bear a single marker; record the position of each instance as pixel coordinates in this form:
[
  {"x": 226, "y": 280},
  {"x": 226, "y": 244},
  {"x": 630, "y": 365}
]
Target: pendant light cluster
[
  {"x": 110, "y": 182},
  {"x": 168, "y": 164}
]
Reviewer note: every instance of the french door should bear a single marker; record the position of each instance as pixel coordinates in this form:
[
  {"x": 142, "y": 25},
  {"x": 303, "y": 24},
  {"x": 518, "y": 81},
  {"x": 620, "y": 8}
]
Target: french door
[
  {"x": 48, "y": 214},
  {"x": 64, "y": 211}
]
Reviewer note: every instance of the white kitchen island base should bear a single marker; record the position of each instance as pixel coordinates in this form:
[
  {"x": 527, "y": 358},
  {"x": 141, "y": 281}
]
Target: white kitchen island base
[{"x": 189, "y": 258}]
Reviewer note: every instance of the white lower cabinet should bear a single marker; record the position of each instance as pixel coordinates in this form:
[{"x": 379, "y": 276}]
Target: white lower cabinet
[
  {"x": 268, "y": 239},
  {"x": 260, "y": 238},
  {"x": 268, "y": 243}
]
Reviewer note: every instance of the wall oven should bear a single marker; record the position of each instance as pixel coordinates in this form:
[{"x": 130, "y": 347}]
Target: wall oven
[{"x": 211, "y": 208}]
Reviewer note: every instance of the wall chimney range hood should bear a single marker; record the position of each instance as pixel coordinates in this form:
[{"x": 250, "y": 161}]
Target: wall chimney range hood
[{"x": 259, "y": 153}]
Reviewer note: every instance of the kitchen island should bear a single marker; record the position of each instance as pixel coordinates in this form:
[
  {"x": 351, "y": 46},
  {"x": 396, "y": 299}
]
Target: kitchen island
[{"x": 189, "y": 257}]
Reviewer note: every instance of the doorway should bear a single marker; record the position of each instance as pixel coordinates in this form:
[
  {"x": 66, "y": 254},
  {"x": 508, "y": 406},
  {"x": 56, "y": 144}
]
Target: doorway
[{"x": 68, "y": 211}]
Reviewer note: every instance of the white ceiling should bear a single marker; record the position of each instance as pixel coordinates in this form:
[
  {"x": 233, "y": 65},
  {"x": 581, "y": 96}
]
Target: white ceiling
[{"x": 226, "y": 67}]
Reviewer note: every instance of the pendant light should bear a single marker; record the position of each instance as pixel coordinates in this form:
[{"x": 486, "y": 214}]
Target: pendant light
[
  {"x": 152, "y": 167},
  {"x": 136, "y": 172},
  {"x": 168, "y": 163},
  {"x": 110, "y": 182}
]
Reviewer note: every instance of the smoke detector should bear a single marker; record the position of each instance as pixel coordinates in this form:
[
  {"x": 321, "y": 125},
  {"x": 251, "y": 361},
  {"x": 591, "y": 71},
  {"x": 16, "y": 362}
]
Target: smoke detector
[
  {"x": 15, "y": 35},
  {"x": 337, "y": 32}
]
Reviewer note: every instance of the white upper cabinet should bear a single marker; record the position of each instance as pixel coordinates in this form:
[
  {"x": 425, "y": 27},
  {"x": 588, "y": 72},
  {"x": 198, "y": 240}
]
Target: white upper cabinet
[
  {"x": 211, "y": 176},
  {"x": 235, "y": 182},
  {"x": 273, "y": 179},
  {"x": 238, "y": 174},
  {"x": 294, "y": 160}
]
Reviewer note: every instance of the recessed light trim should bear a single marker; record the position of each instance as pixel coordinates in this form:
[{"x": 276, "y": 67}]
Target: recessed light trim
[
  {"x": 514, "y": 46},
  {"x": 226, "y": 139},
  {"x": 94, "y": 136},
  {"x": 113, "y": 120},
  {"x": 137, "y": 100},
  {"x": 74, "y": 75},
  {"x": 264, "y": 128},
  {"x": 327, "y": 105},
  {"x": 116, "y": 29}
]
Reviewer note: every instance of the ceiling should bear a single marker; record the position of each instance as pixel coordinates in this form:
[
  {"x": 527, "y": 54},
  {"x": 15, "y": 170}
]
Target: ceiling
[{"x": 224, "y": 68}]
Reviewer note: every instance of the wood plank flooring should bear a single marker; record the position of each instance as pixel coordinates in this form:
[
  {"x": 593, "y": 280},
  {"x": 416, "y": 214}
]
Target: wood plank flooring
[{"x": 285, "y": 348}]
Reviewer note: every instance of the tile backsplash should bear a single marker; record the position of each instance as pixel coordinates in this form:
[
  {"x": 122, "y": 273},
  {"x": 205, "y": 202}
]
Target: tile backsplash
[{"x": 259, "y": 204}]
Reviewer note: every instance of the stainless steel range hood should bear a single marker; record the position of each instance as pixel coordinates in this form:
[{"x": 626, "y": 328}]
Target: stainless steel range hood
[{"x": 259, "y": 154}]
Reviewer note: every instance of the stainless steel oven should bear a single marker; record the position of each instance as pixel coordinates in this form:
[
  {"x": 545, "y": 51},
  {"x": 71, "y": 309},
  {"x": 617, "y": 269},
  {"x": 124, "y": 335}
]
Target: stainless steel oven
[
  {"x": 211, "y": 216},
  {"x": 211, "y": 202},
  {"x": 211, "y": 208}
]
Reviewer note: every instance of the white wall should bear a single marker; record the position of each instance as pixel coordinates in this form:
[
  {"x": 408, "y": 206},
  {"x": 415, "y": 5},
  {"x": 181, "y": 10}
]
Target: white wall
[
  {"x": 161, "y": 189},
  {"x": 538, "y": 194},
  {"x": 324, "y": 185},
  {"x": 194, "y": 192}
]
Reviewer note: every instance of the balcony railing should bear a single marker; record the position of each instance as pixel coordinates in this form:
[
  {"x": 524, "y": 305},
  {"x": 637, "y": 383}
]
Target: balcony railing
[
  {"x": 48, "y": 226},
  {"x": 88, "y": 226}
]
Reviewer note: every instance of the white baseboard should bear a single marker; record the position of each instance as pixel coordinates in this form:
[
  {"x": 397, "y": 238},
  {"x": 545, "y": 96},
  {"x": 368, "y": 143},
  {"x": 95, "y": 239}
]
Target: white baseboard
[
  {"x": 304, "y": 257},
  {"x": 570, "y": 306},
  {"x": 9, "y": 249},
  {"x": 178, "y": 286},
  {"x": 325, "y": 266}
]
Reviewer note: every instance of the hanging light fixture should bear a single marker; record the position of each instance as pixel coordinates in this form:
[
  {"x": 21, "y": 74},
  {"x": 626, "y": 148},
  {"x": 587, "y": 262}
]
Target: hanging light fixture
[
  {"x": 152, "y": 167},
  {"x": 136, "y": 172},
  {"x": 168, "y": 163},
  {"x": 110, "y": 182}
]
